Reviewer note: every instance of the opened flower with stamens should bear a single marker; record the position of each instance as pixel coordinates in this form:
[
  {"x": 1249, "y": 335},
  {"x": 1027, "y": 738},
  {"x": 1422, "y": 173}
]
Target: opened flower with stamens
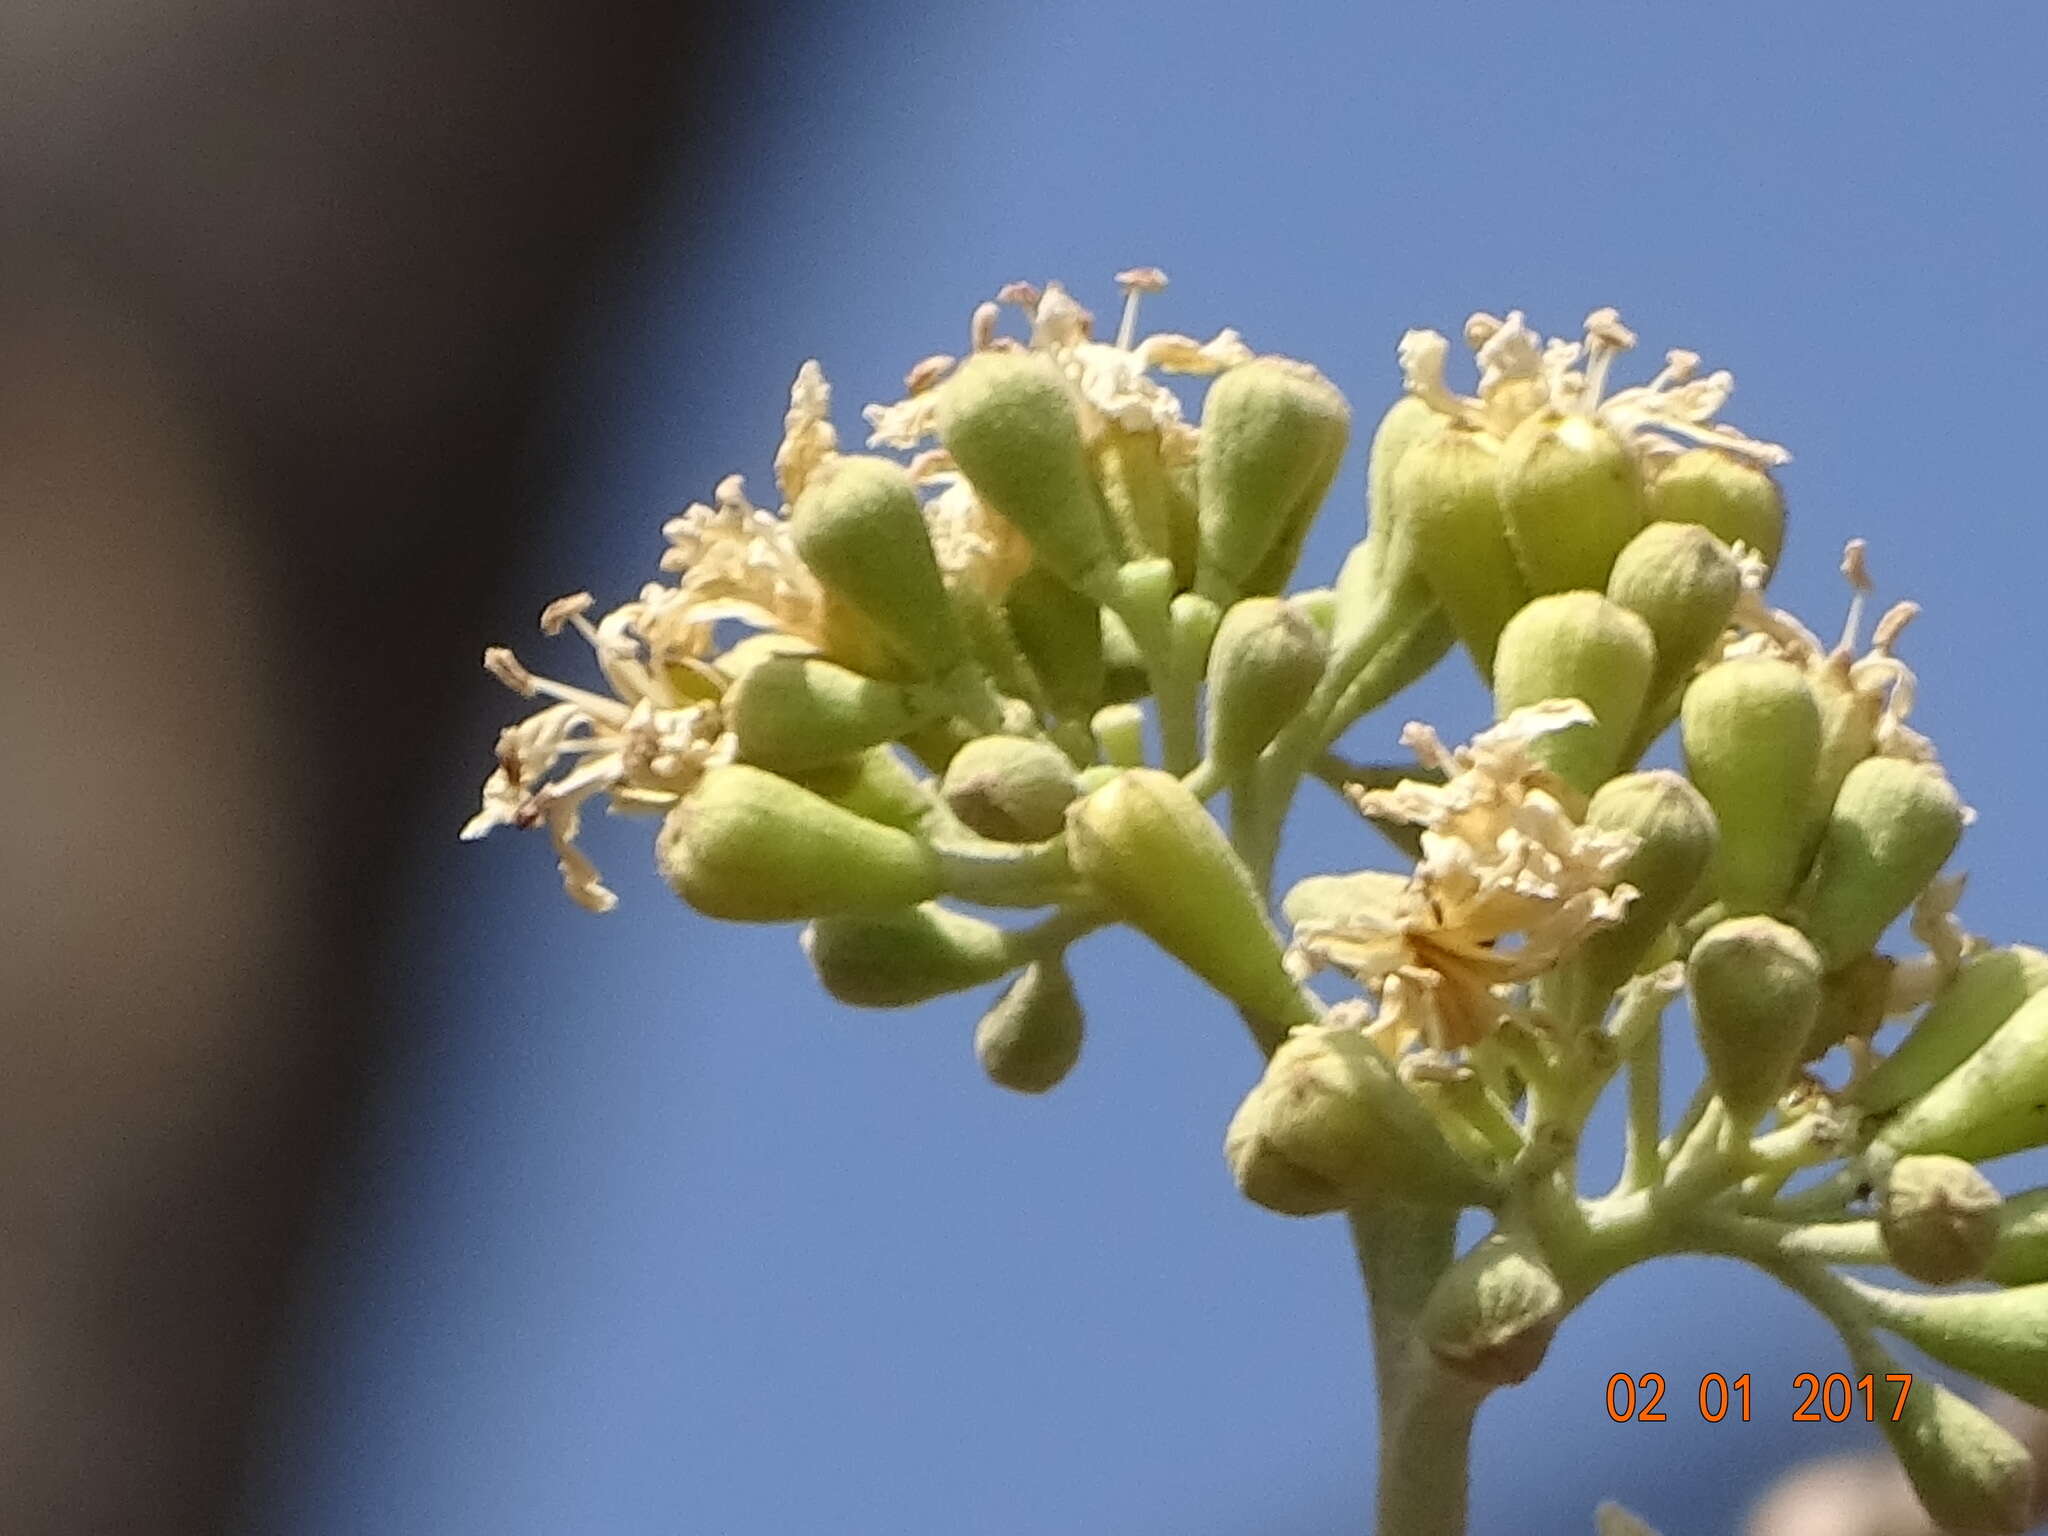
[{"x": 1507, "y": 886}]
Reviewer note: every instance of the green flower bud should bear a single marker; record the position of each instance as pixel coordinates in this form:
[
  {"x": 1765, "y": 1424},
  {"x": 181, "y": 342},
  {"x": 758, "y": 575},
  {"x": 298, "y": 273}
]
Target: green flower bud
[
  {"x": 860, "y": 528},
  {"x": 1334, "y": 898},
  {"x": 1031, "y": 1039},
  {"x": 1577, "y": 645},
  {"x": 1010, "y": 423},
  {"x": 1060, "y": 632},
  {"x": 794, "y": 712},
  {"x": 1892, "y": 828},
  {"x": 1684, "y": 583},
  {"x": 1984, "y": 993},
  {"x": 1571, "y": 495},
  {"x": 1733, "y": 499},
  {"x": 1408, "y": 420},
  {"x": 1329, "y": 1125},
  {"x": 1150, "y": 851},
  {"x": 1994, "y": 1103},
  {"x": 1751, "y": 731},
  {"x": 753, "y": 848},
  {"x": 1939, "y": 1219},
  {"x": 750, "y": 651},
  {"x": 2020, "y": 1256},
  {"x": 1148, "y": 508},
  {"x": 1263, "y": 667},
  {"x": 1675, "y": 836},
  {"x": 1445, "y": 490},
  {"x": 1968, "y": 1472},
  {"x": 1010, "y": 788},
  {"x": 876, "y": 785},
  {"x": 906, "y": 957},
  {"x": 1999, "y": 1337},
  {"x": 1755, "y": 987},
  {"x": 1493, "y": 1314},
  {"x": 1119, "y": 731},
  {"x": 1273, "y": 434}
]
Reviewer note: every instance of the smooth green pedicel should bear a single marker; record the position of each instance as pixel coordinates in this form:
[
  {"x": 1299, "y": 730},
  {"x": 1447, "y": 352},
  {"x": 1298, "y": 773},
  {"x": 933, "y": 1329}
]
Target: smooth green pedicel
[{"x": 897, "y": 959}]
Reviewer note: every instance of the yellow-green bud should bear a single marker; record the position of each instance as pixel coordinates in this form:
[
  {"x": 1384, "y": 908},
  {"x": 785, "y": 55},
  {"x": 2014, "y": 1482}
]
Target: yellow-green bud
[
  {"x": 1060, "y": 632},
  {"x": 794, "y": 712},
  {"x": 1334, "y": 898},
  {"x": 2021, "y": 1254},
  {"x": 1119, "y": 731},
  {"x": 1329, "y": 1125},
  {"x": 750, "y": 847},
  {"x": 1571, "y": 494},
  {"x": 1031, "y": 1038},
  {"x": 1733, "y": 499},
  {"x": 861, "y": 530},
  {"x": 1577, "y": 645},
  {"x": 1968, "y": 1472},
  {"x": 1755, "y": 988},
  {"x": 1984, "y": 993},
  {"x": 1675, "y": 836},
  {"x": 1892, "y": 828},
  {"x": 1010, "y": 788},
  {"x": 1149, "y": 850},
  {"x": 1273, "y": 433},
  {"x": 1010, "y": 423},
  {"x": 1751, "y": 731},
  {"x": 1994, "y": 1103},
  {"x": 1408, "y": 420},
  {"x": 1999, "y": 1337},
  {"x": 1265, "y": 663},
  {"x": 1146, "y": 506},
  {"x": 1493, "y": 1314},
  {"x": 900, "y": 958},
  {"x": 875, "y": 784},
  {"x": 1684, "y": 583},
  {"x": 1445, "y": 491},
  {"x": 1939, "y": 1219},
  {"x": 750, "y": 651}
]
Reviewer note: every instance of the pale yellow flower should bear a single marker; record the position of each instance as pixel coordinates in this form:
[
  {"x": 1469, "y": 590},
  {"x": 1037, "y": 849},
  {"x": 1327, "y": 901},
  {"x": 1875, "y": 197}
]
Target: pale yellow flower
[
  {"x": 1507, "y": 886},
  {"x": 1520, "y": 374},
  {"x": 642, "y": 747}
]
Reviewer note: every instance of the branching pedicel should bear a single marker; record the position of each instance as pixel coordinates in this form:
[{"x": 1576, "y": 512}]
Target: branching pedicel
[{"x": 1063, "y": 543}]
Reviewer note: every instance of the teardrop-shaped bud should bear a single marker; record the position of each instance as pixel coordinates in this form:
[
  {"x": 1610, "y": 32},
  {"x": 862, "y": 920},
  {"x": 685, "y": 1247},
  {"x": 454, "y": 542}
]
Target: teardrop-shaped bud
[
  {"x": 795, "y": 712},
  {"x": 1892, "y": 828},
  {"x": 876, "y": 784},
  {"x": 1755, "y": 988},
  {"x": 1263, "y": 667},
  {"x": 1999, "y": 1337},
  {"x": 750, "y": 847},
  {"x": 750, "y": 651},
  {"x": 1149, "y": 850},
  {"x": 1329, "y": 1125},
  {"x": 1571, "y": 494},
  {"x": 1009, "y": 420},
  {"x": 1732, "y": 498},
  {"x": 861, "y": 530},
  {"x": 1446, "y": 490},
  {"x": 1493, "y": 1314},
  {"x": 1147, "y": 509},
  {"x": 1060, "y": 632},
  {"x": 2020, "y": 1256},
  {"x": 1994, "y": 1103},
  {"x": 1273, "y": 433},
  {"x": 1939, "y": 1219},
  {"x": 1968, "y": 1472},
  {"x": 1982, "y": 995},
  {"x": 1030, "y": 1040},
  {"x": 897, "y": 959},
  {"x": 1577, "y": 645},
  {"x": 1407, "y": 421},
  {"x": 1751, "y": 732},
  {"x": 1675, "y": 837},
  {"x": 1684, "y": 583},
  {"x": 1010, "y": 788}
]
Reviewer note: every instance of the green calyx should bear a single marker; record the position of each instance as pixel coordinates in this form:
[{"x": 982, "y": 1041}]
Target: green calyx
[
  {"x": 1571, "y": 498},
  {"x": 790, "y": 712},
  {"x": 1751, "y": 733},
  {"x": 1733, "y": 499},
  {"x": 897, "y": 959},
  {"x": 1755, "y": 985},
  {"x": 748, "y": 846},
  {"x": 1683, "y": 583},
  {"x": 1939, "y": 1219},
  {"x": 1444, "y": 490},
  {"x": 1675, "y": 836},
  {"x": 1273, "y": 434},
  {"x": 1029, "y": 1041},
  {"x": 1264, "y": 665},
  {"x": 1013, "y": 789},
  {"x": 1892, "y": 827},
  {"x": 1577, "y": 645}
]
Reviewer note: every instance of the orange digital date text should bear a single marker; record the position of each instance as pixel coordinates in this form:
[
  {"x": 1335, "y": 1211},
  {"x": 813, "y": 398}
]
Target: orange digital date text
[{"x": 1834, "y": 1398}]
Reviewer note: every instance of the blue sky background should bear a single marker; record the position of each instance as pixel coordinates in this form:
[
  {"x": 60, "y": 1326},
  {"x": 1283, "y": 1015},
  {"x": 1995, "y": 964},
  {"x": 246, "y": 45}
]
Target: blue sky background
[{"x": 653, "y": 1238}]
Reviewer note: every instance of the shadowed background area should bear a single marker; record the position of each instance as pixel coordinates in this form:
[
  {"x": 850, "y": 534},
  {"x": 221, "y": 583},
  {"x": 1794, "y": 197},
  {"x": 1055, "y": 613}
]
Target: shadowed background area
[{"x": 357, "y": 1181}]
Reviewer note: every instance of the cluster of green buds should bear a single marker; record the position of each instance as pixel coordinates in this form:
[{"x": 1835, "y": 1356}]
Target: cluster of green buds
[{"x": 1006, "y": 661}]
